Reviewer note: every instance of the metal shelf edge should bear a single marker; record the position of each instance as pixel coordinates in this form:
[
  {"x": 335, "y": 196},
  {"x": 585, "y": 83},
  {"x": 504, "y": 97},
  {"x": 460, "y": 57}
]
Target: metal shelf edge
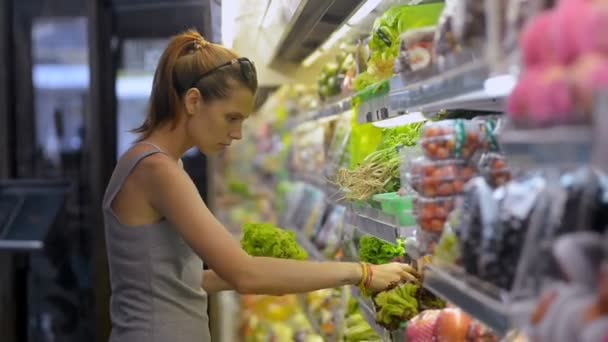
[{"x": 494, "y": 314}]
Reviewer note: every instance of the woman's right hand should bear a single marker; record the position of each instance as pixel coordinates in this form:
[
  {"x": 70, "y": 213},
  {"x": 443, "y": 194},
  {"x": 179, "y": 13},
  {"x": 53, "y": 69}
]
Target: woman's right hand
[{"x": 389, "y": 275}]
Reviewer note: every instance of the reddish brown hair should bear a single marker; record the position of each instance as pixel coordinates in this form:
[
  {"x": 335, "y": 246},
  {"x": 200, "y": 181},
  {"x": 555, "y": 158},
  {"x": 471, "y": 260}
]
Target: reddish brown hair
[{"x": 187, "y": 57}]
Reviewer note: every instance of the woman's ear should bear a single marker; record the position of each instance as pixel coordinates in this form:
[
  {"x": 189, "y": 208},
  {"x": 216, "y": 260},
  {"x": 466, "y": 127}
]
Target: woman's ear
[{"x": 192, "y": 101}]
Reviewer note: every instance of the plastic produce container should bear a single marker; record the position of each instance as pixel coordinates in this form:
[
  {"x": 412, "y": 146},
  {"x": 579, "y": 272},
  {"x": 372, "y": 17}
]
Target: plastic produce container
[
  {"x": 493, "y": 167},
  {"x": 433, "y": 178},
  {"x": 450, "y": 139},
  {"x": 432, "y": 213},
  {"x": 396, "y": 205}
]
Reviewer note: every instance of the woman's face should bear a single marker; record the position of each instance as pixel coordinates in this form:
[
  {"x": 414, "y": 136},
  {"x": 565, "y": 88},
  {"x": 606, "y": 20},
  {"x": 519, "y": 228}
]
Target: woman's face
[{"x": 213, "y": 125}]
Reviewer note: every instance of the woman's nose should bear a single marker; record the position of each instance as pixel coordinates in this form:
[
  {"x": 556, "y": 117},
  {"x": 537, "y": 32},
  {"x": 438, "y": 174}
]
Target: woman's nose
[{"x": 237, "y": 134}]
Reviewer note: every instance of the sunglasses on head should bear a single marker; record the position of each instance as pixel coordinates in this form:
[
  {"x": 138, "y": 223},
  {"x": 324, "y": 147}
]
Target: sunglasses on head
[{"x": 247, "y": 67}]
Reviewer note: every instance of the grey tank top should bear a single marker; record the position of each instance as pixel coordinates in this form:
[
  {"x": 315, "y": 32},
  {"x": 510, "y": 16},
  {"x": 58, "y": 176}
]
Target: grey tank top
[{"x": 155, "y": 276}]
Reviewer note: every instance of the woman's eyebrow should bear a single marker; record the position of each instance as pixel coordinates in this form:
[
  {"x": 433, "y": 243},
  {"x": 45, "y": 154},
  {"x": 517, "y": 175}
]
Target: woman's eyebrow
[{"x": 244, "y": 116}]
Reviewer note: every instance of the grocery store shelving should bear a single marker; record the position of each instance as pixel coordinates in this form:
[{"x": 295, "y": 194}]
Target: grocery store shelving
[
  {"x": 378, "y": 224},
  {"x": 468, "y": 86},
  {"x": 303, "y": 302},
  {"x": 333, "y": 193},
  {"x": 333, "y": 108},
  {"x": 480, "y": 300},
  {"x": 313, "y": 252},
  {"x": 367, "y": 310},
  {"x": 561, "y": 146}
]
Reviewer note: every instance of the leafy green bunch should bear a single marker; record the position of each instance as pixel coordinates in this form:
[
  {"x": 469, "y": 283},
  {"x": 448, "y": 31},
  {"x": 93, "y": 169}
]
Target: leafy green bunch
[
  {"x": 378, "y": 252},
  {"x": 264, "y": 239}
]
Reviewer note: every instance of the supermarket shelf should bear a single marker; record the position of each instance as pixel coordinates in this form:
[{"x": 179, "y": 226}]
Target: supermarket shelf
[
  {"x": 562, "y": 146},
  {"x": 365, "y": 306},
  {"x": 333, "y": 193},
  {"x": 302, "y": 301},
  {"x": 335, "y": 108},
  {"x": 465, "y": 87},
  {"x": 378, "y": 224},
  {"x": 480, "y": 300},
  {"x": 313, "y": 251},
  {"x": 313, "y": 180}
]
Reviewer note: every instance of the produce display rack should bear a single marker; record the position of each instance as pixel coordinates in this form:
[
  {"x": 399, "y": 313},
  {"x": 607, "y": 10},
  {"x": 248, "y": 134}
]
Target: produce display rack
[
  {"x": 480, "y": 300},
  {"x": 367, "y": 310},
  {"x": 308, "y": 246},
  {"x": 462, "y": 87},
  {"x": 334, "y": 108},
  {"x": 378, "y": 224},
  {"x": 302, "y": 301},
  {"x": 561, "y": 147}
]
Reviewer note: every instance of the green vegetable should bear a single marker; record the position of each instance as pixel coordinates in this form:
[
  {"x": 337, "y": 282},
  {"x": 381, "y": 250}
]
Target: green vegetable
[
  {"x": 239, "y": 188},
  {"x": 358, "y": 330},
  {"x": 384, "y": 43},
  {"x": 397, "y": 305},
  {"x": 377, "y": 252},
  {"x": 428, "y": 301},
  {"x": 447, "y": 249},
  {"x": 264, "y": 239},
  {"x": 407, "y": 135},
  {"x": 363, "y": 80}
]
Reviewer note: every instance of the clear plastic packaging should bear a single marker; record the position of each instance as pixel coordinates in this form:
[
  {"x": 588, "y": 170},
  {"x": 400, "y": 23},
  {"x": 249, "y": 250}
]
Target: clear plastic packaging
[
  {"x": 493, "y": 167},
  {"x": 440, "y": 178},
  {"x": 450, "y": 139},
  {"x": 415, "y": 50},
  {"x": 432, "y": 213}
]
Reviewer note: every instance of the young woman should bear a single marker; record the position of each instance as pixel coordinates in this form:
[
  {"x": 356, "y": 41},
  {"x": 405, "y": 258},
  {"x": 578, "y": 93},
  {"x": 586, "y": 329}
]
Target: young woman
[{"x": 158, "y": 229}]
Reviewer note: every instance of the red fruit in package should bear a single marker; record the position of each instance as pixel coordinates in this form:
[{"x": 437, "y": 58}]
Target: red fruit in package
[
  {"x": 589, "y": 75},
  {"x": 551, "y": 102},
  {"x": 567, "y": 19},
  {"x": 536, "y": 40},
  {"x": 542, "y": 97},
  {"x": 517, "y": 102},
  {"x": 591, "y": 22},
  {"x": 422, "y": 327}
]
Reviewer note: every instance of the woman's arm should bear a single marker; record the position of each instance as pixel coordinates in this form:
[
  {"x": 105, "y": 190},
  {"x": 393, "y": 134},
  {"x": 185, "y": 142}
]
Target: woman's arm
[
  {"x": 212, "y": 283},
  {"x": 173, "y": 194}
]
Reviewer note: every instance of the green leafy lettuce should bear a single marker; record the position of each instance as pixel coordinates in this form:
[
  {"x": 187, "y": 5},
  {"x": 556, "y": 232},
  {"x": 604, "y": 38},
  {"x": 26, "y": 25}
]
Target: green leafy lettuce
[
  {"x": 397, "y": 305},
  {"x": 264, "y": 239},
  {"x": 378, "y": 252}
]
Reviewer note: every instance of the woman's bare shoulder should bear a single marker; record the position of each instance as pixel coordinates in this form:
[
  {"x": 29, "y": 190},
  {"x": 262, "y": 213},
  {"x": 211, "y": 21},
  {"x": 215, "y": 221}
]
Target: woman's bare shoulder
[{"x": 148, "y": 169}]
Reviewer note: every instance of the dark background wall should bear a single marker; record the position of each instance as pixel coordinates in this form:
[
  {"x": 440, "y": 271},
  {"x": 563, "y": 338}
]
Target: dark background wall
[{"x": 60, "y": 63}]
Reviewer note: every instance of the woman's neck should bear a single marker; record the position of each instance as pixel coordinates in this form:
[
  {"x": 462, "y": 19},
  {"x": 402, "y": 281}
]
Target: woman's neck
[{"x": 167, "y": 140}]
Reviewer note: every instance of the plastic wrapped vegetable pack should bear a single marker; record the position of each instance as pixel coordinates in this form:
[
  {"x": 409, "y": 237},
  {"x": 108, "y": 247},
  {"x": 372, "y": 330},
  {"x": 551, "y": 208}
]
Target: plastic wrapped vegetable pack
[
  {"x": 264, "y": 239},
  {"x": 384, "y": 43},
  {"x": 379, "y": 171}
]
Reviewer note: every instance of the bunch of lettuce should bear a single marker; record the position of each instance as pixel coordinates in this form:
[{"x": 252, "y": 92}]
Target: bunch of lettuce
[
  {"x": 264, "y": 239},
  {"x": 358, "y": 330},
  {"x": 397, "y": 305},
  {"x": 378, "y": 252}
]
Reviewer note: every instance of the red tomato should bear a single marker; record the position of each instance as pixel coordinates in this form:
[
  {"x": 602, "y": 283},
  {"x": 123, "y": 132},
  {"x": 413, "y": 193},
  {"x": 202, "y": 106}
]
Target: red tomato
[
  {"x": 467, "y": 173},
  {"x": 458, "y": 186},
  {"x": 432, "y": 132},
  {"x": 499, "y": 164},
  {"x": 437, "y": 225},
  {"x": 445, "y": 189},
  {"x": 442, "y": 153}
]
